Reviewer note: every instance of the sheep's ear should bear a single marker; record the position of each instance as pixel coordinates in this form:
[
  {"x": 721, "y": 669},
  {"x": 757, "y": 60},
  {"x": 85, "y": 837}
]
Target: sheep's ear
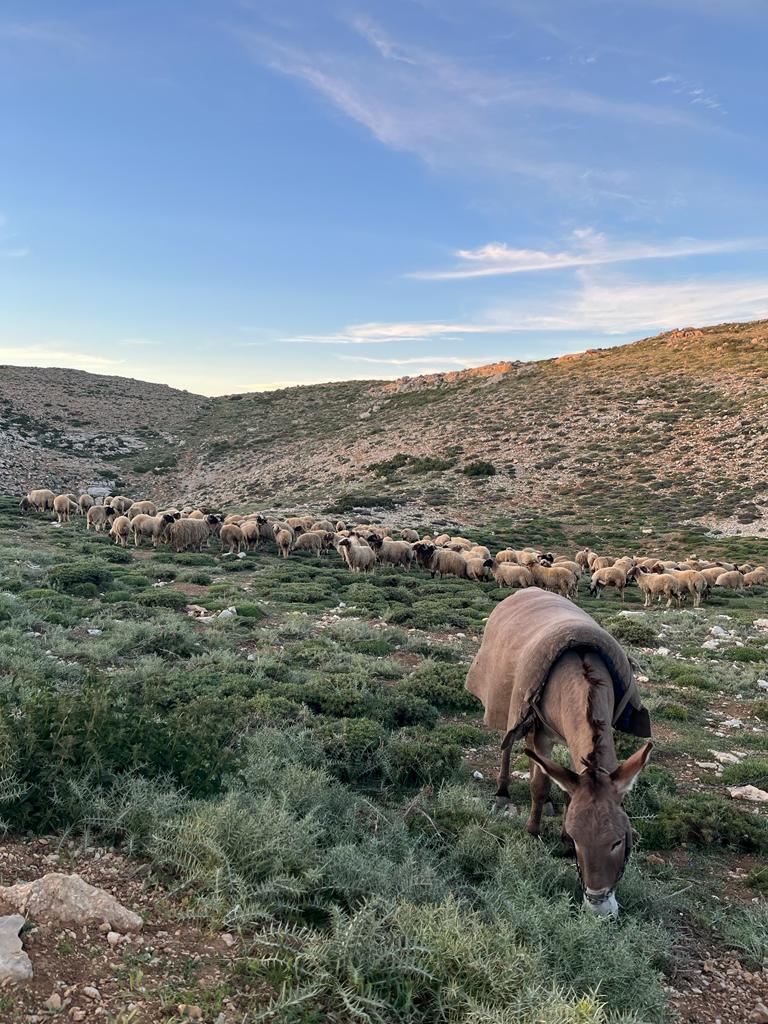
[
  {"x": 626, "y": 774},
  {"x": 567, "y": 780}
]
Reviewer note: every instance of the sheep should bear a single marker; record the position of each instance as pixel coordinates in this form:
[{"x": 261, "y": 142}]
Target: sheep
[
  {"x": 479, "y": 551},
  {"x": 191, "y": 534},
  {"x": 479, "y": 568},
  {"x": 554, "y": 578},
  {"x": 731, "y": 580},
  {"x": 232, "y": 519},
  {"x": 121, "y": 528},
  {"x": 152, "y": 527},
  {"x": 285, "y": 540},
  {"x": 757, "y": 577},
  {"x": 711, "y": 573},
  {"x": 62, "y": 506},
  {"x": 322, "y": 526},
  {"x": 601, "y": 562},
  {"x": 251, "y": 531},
  {"x": 313, "y": 541},
  {"x": 299, "y": 524},
  {"x": 120, "y": 503},
  {"x": 85, "y": 501},
  {"x": 145, "y": 507},
  {"x": 39, "y": 500},
  {"x": 359, "y": 557},
  {"x": 692, "y": 582},
  {"x": 173, "y": 512},
  {"x": 656, "y": 584},
  {"x": 441, "y": 539},
  {"x": 459, "y": 544},
  {"x": 507, "y": 555},
  {"x": 98, "y": 517},
  {"x": 566, "y": 563},
  {"x": 608, "y": 576},
  {"x": 412, "y": 536},
  {"x": 509, "y": 574},
  {"x": 340, "y": 526},
  {"x": 392, "y": 552},
  {"x": 440, "y": 561},
  {"x": 231, "y": 537}
]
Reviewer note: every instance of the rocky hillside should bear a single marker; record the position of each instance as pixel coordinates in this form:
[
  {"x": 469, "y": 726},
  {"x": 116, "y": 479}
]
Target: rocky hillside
[{"x": 674, "y": 427}]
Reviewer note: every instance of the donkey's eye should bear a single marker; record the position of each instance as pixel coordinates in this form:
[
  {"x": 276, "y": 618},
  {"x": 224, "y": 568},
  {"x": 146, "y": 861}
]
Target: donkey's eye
[{"x": 617, "y": 844}]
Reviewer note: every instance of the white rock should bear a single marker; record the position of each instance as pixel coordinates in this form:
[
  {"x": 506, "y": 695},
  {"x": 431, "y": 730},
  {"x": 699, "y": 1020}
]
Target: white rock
[
  {"x": 748, "y": 793},
  {"x": 15, "y": 965},
  {"x": 478, "y": 775},
  {"x": 719, "y": 631},
  {"x": 53, "y": 1002},
  {"x": 94, "y": 632},
  {"x": 710, "y": 645},
  {"x": 663, "y": 651},
  {"x": 69, "y": 899},
  {"x": 724, "y": 757},
  {"x": 228, "y": 613},
  {"x": 228, "y": 939},
  {"x": 733, "y": 723},
  {"x": 711, "y": 766},
  {"x": 241, "y": 554},
  {"x": 762, "y": 684},
  {"x": 761, "y": 623},
  {"x": 91, "y": 992},
  {"x": 113, "y": 938}
]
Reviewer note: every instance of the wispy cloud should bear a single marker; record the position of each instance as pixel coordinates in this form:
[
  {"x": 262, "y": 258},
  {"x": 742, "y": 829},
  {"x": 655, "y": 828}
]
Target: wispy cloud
[
  {"x": 41, "y": 355},
  {"x": 382, "y": 333},
  {"x": 623, "y": 306},
  {"x": 695, "y": 94},
  {"x": 137, "y": 341},
  {"x": 47, "y": 33},
  {"x": 587, "y": 248},
  {"x": 442, "y": 361}
]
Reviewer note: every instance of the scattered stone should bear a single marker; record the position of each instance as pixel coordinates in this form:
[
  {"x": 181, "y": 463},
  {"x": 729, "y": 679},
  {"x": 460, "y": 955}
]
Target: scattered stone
[
  {"x": 761, "y": 623},
  {"x": 78, "y": 1014},
  {"x": 228, "y": 939},
  {"x": 113, "y": 938},
  {"x": 95, "y": 632},
  {"x": 69, "y": 899},
  {"x": 91, "y": 992},
  {"x": 762, "y": 684},
  {"x": 760, "y": 1014},
  {"x": 752, "y": 793},
  {"x": 53, "y": 1002},
  {"x": 724, "y": 757},
  {"x": 478, "y": 775},
  {"x": 15, "y": 965},
  {"x": 711, "y": 766},
  {"x": 733, "y": 723},
  {"x": 663, "y": 652},
  {"x": 710, "y": 645},
  {"x": 227, "y": 613},
  {"x": 189, "y": 1012},
  {"x": 719, "y": 631}
]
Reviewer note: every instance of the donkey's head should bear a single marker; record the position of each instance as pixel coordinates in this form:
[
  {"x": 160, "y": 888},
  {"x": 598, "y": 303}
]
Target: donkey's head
[{"x": 597, "y": 823}]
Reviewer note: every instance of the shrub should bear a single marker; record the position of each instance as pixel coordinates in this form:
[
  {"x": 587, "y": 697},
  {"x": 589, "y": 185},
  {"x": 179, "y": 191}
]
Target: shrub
[
  {"x": 441, "y": 685},
  {"x": 353, "y": 747},
  {"x": 416, "y": 757},
  {"x": 479, "y": 468},
  {"x": 703, "y": 820},
  {"x": 752, "y": 771},
  {"x": 250, "y": 611},
  {"x": 632, "y": 631},
  {"x": 64, "y": 577},
  {"x": 160, "y": 597}
]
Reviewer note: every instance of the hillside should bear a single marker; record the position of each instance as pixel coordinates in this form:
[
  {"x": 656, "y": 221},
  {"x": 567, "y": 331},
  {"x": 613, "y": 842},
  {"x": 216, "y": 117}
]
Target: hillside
[{"x": 674, "y": 427}]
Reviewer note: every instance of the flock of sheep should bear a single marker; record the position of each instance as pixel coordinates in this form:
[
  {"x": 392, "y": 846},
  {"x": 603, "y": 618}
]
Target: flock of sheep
[{"x": 365, "y": 545}]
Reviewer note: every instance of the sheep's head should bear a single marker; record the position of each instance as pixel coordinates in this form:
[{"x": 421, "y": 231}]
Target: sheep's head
[
  {"x": 25, "y": 504},
  {"x": 375, "y": 541},
  {"x": 109, "y": 511}
]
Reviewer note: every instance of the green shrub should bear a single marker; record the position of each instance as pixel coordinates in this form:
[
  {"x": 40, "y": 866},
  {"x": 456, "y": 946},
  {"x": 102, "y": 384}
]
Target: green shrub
[
  {"x": 704, "y": 820},
  {"x": 250, "y": 611},
  {"x": 441, "y": 685},
  {"x": 632, "y": 631},
  {"x": 65, "y": 577},
  {"x": 353, "y": 747},
  {"x": 415, "y": 757},
  {"x": 751, "y": 771},
  {"x": 479, "y": 468},
  {"x": 160, "y": 597},
  {"x": 669, "y": 709}
]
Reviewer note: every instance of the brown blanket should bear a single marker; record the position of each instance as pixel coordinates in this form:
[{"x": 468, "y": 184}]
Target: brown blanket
[{"x": 523, "y": 638}]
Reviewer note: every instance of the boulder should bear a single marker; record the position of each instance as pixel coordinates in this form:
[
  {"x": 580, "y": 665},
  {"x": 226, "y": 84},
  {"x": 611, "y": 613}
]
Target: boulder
[
  {"x": 15, "y": 965},
  {"x": 70, "y": 900}
]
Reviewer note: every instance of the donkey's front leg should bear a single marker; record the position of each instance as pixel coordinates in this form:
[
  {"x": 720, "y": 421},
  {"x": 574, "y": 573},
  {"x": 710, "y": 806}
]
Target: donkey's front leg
[
  {"x": 502, "y": 799},
  {"x": 540, "y": 783}
]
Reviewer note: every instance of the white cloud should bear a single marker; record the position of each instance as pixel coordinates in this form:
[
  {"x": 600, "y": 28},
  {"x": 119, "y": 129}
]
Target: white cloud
[
  {"x": 137, "y": 341},
  {"x": 379, "y": 333},
  {"x": 623, "y": 307},
  {"x": 38, "y": 355},
  {"x": 588, "y": 248},
  {"x": 442, "y": 361},
  {"x": 693, "y": 93}
]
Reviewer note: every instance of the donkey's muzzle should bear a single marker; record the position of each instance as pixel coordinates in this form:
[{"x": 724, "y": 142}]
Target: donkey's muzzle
[{"x": 601, "y": 902}]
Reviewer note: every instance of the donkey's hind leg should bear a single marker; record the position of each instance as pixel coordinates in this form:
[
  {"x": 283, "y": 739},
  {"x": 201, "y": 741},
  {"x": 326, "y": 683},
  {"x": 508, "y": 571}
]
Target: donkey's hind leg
[
  {"x": 503, "y": 800},
  {"x": 540, "y": 783}
]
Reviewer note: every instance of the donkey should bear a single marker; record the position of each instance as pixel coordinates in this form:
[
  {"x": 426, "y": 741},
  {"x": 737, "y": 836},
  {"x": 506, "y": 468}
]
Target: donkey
[
  {"x": 577, "y": 706},
  {"x": 548, "y": 673}
]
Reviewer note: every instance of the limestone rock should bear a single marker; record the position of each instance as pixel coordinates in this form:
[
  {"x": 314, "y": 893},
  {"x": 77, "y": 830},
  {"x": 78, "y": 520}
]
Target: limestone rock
[
  {"x": 15, "y": 965},
  {"x": 759, "y": 796},
  {"x": 69, "y": 899}
]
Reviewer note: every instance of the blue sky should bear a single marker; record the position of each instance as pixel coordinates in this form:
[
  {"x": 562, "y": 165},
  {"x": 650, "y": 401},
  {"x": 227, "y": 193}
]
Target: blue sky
[{"x": 229, "y": 195}]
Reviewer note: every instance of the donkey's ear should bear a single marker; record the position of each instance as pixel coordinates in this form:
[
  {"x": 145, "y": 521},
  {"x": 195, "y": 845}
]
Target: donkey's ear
[
  {"x": 626, "y": 774},
  {"x": 567, "y": 780}
]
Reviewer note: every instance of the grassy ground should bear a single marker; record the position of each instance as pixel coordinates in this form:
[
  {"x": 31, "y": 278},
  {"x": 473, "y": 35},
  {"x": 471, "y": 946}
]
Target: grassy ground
[{"x": 301, "y": 775}]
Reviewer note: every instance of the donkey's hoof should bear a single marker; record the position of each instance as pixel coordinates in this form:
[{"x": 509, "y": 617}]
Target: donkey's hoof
[{"x": 503, "y": 805}]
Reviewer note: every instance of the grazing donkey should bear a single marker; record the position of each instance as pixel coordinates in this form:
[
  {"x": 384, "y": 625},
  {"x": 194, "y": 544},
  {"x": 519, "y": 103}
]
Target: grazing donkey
[{"x": 548, "y": 672}]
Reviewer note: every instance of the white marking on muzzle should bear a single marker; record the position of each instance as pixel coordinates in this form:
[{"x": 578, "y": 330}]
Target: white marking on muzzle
[{"x": 601, "y": 902}]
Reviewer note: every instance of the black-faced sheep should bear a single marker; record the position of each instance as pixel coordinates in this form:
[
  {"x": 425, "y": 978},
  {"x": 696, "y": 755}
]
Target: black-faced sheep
[
  {"x": 191, "y": 534},
  {"x": 392, "y": 552},
  {"x": 608, "y": 576},
  {"x": 153, "y": 528},
  {"x": 479, "y": 568},
  {"x": 440, "y": 561},
  {"x": 99, "y": 517},
  {"x": 39, "y": 500},
  {"x": 359, "y": 557}
]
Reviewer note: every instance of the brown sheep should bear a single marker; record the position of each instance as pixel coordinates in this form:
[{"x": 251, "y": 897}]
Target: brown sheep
[
  {"x": 62, "y": 506},
  {"x": 285, "y": 540},
  {"x": 323, "y": 526},
  {"x": 145, "y": 507},
  {"x": 555, "y": 578},
  {"x": 608, "y": 576},
  {"x": 120, "y": 503},
  {"x": 313, "y": 541},
  {"x": 711, "y": 574},
  {"x": 232, "y": 538},
  {"x": 507, "y": 555},
  {"x": 412, "y": 536},
  {"x": 757, "y": 577},
  {"x": 191, "y": 534},
  {"x": 510, "y": 574},
  {"x": 40, "y": 500},
  {"x": 731, "y": 580},
  {"x": 99, "y": 517},
  {"x": 441, "y": 539},
  {"x": 121, "y": 528},
  {"x": 359, "y": 557},
  {"x": 440, "y": 561},
  {"x": 392, "y": 552},
  {"x": 692, "y": 582},
  {"x": 85, "y": 501},
  {"x": 152, "y": 527},
  {"x": 478, "y": 551},
  {"x": 479, "y": 568},
  {"x": 656, "y": 584}
]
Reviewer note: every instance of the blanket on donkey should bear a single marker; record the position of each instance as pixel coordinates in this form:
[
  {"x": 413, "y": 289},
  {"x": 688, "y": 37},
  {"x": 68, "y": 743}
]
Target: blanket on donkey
[{"x": 524, "y": 636}]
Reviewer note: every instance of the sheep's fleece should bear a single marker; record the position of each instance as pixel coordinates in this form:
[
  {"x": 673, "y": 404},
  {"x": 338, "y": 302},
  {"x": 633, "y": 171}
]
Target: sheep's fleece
[{"x": 524, "y": 636}]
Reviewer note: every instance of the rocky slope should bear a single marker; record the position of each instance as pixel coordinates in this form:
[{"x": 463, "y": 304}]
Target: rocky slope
[{"x": 673, "y": 427}]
